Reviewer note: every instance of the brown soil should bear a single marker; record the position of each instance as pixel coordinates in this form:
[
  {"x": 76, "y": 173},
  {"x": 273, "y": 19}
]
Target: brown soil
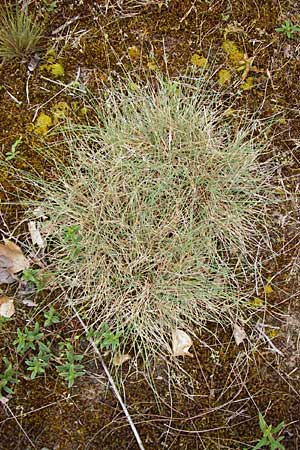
[{"x": 225, "y": 388}]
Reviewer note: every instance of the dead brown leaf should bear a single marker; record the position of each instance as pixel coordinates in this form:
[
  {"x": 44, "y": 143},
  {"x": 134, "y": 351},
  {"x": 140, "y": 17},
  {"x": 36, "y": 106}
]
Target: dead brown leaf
[
  {"x": 181, "y": 343},
  {"x": 7, "y": 308},
  {"x": 12, "y": 252},
  {"x": 119, "y": 359},
  {"x": 35, "y": 234},
  {"x": 239, "y": 334}
]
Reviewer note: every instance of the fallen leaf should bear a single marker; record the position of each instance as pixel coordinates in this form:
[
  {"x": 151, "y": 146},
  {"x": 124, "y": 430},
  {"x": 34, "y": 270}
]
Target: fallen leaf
[
  {"x": 13, "y": 252},
  {"x": 29, "y": 303},
  {"x": 181, "y": 343},
  {"x": 7, "y": 308},
  {"x": 35, "y": 234},
  {"x": 119, "y": 359},
  {"x": 6, "y": 276},
  {"x": 239, "y": 334}
]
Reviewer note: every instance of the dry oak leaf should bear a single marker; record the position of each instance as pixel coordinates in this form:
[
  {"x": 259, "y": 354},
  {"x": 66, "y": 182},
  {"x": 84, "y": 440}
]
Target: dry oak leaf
[
  {"x": 35, "y": 234},
  {"x": 239, "y": 334},
  {"x": 13, "y": 252},
  {"x": 181, "y": 343},
  {"x": 7, "y": 308},
  {"x": 6, "y": 277},
  {"x": 119, "y": 359}
]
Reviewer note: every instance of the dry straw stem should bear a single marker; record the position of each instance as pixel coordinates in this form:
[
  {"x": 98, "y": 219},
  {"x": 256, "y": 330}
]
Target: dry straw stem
[
  {"x": 20, "y": 33},
  {"x": 168, "y": 200}
]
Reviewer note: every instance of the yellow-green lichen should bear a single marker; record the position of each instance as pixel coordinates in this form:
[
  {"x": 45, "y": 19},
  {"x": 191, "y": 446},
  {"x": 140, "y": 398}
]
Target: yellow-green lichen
[
  {"x": 235, "y": 55},
  {"x": 199, "y": 61},
  {"x": 42, "y": 124},
  {"x": 224, "y": 76},
  {"x": 248, "y": 84}
]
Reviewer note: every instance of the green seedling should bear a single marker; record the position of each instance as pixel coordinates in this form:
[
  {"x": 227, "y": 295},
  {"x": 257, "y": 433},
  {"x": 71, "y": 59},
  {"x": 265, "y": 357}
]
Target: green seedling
[
  {"x": 71, "y": 370},
  {"x": 288, "y": 29},
  {"x": 51, "y": 317},
  {"x": 72, "y": 237},
  {"x": 268, "y": 439},
  {"x": 36, "y": 365},
  {"x": 50, "y": 5},
  {"x": 28, "y": 339},
  {"x": 13, "y": 151},
  {"x": 105, "y": 338},
  {"x": 32, "y": 275},
  {"x": 7, "y": 378}
]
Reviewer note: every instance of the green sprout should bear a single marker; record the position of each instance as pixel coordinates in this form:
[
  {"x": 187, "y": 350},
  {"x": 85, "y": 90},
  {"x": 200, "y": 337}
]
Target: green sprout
[
  {"x": 13, "y": 151},
  {"x": 51, "y": 317},
  {"x": 7, "y": 377},
  {"x": 27, "y": 339},
  {"x": 71, "y": 370},
  {"x": 105, "y": 338},
  {"x": 268, "y": 439},
  {"x": 71, "y": 236},
  {"x": 288, "y": 29},
  {"x": 32, "y": 275}
]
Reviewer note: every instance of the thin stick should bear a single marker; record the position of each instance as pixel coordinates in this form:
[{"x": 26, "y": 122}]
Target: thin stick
[
  {"x": 114, "y": 387},
  {"x": 64, "y": 25},
  {"x": 6, "y": 406}
]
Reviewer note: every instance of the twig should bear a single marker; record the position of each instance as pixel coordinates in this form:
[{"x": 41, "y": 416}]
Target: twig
[
  {"x": 27, "y": 88},
  {"x": 31, "y": 443},
  {"x": 113, "y": 386},
  {"x": 19, "y": 102},
  {"x": 64, "y": 25}
]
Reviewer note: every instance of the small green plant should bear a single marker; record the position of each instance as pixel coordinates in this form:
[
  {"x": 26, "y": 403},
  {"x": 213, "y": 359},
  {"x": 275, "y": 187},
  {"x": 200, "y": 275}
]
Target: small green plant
[
  {"x": 288, "y": 29},
  {"x": 105, "y": 338},
  {"x": 28, "y": 339},
  {"x": 20, "y": 33},
  {"x": 71, "y": 369},
  {"x": 7, "y": 378},
  {"x": 268, "y": 439},
  {"x": 38, "y": 363},
  {"x": 50, "y": 5},
  {"x": 13, "y": 151},
  {"x": 33, "y": 276},
  {"x": 51, "y": 317},
  {"x": 71, "y": 236}
]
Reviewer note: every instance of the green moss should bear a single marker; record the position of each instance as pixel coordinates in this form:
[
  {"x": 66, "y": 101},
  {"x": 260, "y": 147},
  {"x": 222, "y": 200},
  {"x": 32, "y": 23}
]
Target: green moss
[
  {"x": 235, "y": 55},
  {"x": 42, "y": 124},
  {"x": 224, "y": 76}
]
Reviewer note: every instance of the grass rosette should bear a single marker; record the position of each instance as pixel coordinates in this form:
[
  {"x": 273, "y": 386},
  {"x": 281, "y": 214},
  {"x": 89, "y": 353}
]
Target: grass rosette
[{"x": 157, "y": 212}]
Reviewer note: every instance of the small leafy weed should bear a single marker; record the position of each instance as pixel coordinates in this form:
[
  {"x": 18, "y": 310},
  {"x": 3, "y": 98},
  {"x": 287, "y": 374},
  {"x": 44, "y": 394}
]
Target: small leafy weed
[
  {"x": 51, "y": 317},
  {"x": 28, "y": 339},
  {"x": 7, "y": 378},
  {"x": 105, "y": 338},
  {"x": 70, "y": 370},
  {"x": 72, "y": 237},
  {"x": 13, "y": 151},
  {"x": 288, "y": 29},
  {"x": 268, "y": 439},
  {"x": 33, "y": 276}
]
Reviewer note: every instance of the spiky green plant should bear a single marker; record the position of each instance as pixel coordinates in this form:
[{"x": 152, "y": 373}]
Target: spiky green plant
[
  {"x": 168, "y": 202},
  {"x": 20, "y": 33}
]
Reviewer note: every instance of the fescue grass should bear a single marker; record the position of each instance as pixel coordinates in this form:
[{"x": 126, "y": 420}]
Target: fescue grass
[
  {"x": 20, "y": 34},
  {"x": 156, "y": 213}
]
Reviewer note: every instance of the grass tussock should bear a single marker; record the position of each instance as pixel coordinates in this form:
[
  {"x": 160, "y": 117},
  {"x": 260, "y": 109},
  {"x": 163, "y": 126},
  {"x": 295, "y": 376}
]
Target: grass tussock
[
  {"x": 154, "y": 218},
  {"x": 20, "y": 34}
]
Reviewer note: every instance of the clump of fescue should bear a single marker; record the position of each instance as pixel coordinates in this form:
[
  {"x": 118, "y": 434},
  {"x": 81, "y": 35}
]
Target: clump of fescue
[
  {"x": 154, "y": 217},
  {"x": 20, "y": 33}
]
